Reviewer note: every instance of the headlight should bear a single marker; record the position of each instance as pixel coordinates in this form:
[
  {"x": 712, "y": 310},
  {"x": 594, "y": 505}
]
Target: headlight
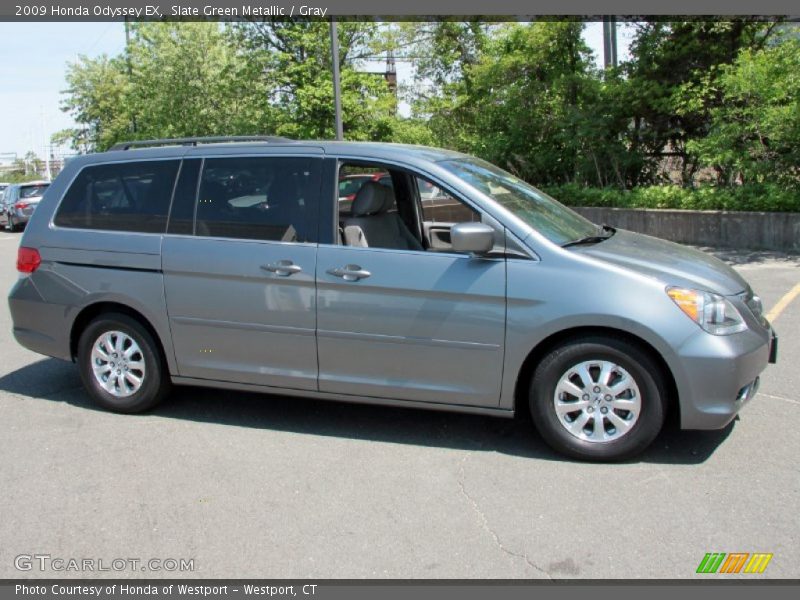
[{"x": 712, "y": 312}]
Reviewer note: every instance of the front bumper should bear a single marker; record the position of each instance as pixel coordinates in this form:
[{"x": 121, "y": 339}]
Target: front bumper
[
  {"x": 773, "y": 349},
  {"x": 720, "y": 374}
]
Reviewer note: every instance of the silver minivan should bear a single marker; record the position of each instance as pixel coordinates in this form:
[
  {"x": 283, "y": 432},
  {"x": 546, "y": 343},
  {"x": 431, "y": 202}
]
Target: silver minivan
[
  {"x": 19, "y": 201},
  {"x": 452, "y": 285}
]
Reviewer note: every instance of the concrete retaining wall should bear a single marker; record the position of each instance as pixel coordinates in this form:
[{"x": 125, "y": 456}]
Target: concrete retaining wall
[{"x": 747, "y": 230}]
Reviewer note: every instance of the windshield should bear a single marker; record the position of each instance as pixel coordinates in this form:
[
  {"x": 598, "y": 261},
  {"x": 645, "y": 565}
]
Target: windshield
[{"x": 549, "y": 217}]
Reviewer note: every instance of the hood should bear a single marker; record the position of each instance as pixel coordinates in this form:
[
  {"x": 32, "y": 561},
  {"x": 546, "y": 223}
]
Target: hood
[{"x": 671, "y": 263}]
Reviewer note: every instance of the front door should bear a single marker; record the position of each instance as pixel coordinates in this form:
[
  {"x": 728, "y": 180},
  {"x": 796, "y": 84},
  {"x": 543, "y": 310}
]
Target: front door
[{"x": 421, "y": 325}]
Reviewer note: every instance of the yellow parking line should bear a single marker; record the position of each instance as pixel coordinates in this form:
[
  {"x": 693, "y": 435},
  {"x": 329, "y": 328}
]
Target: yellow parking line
[{"x": 783, "y": 303}]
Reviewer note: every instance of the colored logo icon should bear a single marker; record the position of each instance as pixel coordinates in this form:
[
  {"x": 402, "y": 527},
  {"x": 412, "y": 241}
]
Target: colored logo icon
[{"x": 735, "y": 562}]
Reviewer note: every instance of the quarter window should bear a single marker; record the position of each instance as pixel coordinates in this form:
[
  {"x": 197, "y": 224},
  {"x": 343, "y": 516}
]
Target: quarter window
[
  {"x": 132, "y": 196},
  {"x": 259, "y": 198}
]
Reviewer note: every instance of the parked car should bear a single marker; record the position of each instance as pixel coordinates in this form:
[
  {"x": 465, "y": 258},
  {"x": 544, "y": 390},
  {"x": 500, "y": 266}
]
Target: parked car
[
  {"x": 146, "y": 267},
  {"x": 3, "y": 187},
  {"x": 19, "y": 202}
]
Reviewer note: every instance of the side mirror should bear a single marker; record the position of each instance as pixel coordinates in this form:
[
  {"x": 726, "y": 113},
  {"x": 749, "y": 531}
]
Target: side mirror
[{"x": 476, "y": 238}]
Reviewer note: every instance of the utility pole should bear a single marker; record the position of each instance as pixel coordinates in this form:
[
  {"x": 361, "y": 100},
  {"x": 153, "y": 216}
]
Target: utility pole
[
  {"x": 128, "y": 61},
  {"x": 47, "y": 173},
  {"x": 610, "y": 42},
  {"x": 337, "y": 84}
]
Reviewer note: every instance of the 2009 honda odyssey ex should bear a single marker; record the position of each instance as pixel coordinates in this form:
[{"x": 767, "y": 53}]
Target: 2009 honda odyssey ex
[{"x": 452, "y": 285}]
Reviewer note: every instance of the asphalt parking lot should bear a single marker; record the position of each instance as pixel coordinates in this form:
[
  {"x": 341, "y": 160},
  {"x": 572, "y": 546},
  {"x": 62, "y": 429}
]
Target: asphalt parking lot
[{"x": 257, "y": 486}]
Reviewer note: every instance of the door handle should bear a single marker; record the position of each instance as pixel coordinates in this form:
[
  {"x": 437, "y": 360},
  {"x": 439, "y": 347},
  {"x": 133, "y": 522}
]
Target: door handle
[
  {"x": 349, "y": 273},
  {"x": 284, "y": 268}
]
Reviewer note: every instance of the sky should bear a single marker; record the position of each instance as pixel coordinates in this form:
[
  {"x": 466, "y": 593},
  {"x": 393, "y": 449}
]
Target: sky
[{"x": 33, "y": 59}]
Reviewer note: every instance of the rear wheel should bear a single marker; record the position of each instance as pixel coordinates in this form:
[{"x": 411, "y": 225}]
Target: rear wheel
[
  {"x": 598, "y": 398},
  {"x": 121, "y": 365}
]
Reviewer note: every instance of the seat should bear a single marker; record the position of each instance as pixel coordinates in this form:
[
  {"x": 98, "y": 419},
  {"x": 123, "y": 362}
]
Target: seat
[{"x": 372, "y": 226}]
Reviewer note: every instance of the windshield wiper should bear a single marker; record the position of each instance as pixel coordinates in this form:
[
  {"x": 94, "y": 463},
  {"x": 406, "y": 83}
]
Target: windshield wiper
[{"x": 592, "y": 239}]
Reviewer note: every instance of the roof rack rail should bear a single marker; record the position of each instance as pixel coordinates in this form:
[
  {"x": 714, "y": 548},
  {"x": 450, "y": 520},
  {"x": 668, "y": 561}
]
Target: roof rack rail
[{"x": 194, "y": 141}]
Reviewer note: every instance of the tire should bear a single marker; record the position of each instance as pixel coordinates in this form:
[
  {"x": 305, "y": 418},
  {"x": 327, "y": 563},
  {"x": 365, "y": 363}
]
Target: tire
[
  {"x": 9, "y": 223},
  {"x": 615, "y": 423},
  {"x": 146, "y": 362}
]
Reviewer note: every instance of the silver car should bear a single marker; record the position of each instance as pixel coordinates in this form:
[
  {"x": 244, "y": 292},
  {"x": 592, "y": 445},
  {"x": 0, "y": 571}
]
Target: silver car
[
  {"x": 226, "y": 263},
  {"x": 19, "y": 202}
]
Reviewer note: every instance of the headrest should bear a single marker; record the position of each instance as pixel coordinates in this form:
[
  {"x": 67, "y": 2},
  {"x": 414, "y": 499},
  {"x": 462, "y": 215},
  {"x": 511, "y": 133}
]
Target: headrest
[{"x": 371, "y": 199}]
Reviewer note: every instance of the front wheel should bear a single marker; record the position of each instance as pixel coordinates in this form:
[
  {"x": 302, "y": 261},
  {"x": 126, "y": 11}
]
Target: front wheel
[
  {"x": 598, "y": 398},
  {"x": 121, "y": 365}
]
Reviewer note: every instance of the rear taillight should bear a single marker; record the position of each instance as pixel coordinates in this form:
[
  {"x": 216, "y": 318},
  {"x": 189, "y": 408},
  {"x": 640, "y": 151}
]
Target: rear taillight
[
  {"x": 28, "y": 260},
  {"x": 21, "y": 205}
]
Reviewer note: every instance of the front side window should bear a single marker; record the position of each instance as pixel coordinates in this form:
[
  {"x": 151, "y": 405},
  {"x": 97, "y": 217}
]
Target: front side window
[
  {"x": 132, "y": 196},
  {"x": 440, "y": 207},
  {"x": 550, "y": 218},
  {"x": 260, "y": 198}
]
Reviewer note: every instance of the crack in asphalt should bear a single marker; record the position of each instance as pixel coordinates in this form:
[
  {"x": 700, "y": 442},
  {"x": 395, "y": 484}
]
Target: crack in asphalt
[
  {"x": 485, "y": 522},
  {"x": 773, "y": 397}
]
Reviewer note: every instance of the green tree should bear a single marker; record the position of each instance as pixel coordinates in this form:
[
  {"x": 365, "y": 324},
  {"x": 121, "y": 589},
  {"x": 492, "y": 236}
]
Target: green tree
[
  {"x": 292, "y": 62},
  {"x": 97, "y": 99},
  {"x": 754, "y": 134},
  {"x": 524, "y": 106},
  {"x": 187, "y": 79},
  {"x": 24, "y": 169},
  {"x": 670, "y": 58}
]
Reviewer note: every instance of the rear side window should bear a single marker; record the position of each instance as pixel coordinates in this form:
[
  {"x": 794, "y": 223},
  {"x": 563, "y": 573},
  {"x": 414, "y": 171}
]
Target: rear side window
[
  {"x": 262, "y": 198},
  {"x": 132, "y": 196}
]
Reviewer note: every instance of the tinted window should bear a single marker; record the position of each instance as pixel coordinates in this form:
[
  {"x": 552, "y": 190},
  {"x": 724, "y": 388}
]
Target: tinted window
[
  {"x": 132, "y": 196},
  {"x": 181, "y": 216},
  {"x": 259, "y": 198}
]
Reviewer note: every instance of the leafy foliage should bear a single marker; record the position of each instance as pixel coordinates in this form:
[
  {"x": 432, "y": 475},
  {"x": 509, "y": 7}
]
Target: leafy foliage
[
  {"x": 698, "y": 103},
  {"x": 754, "y": 134},
  {"x": 752, "y": 197}
]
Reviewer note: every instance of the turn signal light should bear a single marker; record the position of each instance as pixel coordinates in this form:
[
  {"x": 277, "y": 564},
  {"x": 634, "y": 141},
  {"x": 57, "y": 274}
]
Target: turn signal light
[
  {"x": 689, "y": 301},
  {"x": 28, "y": 259},
  {"x": 712, "y": 312}
]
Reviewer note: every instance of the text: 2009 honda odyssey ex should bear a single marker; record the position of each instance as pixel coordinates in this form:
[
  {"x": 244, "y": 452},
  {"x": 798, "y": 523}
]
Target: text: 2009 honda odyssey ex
[{"x": 451, "y": 285}]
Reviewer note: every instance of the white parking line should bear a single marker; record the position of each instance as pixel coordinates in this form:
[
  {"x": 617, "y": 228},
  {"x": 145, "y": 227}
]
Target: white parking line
[{"x": 7, "y": 237}]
